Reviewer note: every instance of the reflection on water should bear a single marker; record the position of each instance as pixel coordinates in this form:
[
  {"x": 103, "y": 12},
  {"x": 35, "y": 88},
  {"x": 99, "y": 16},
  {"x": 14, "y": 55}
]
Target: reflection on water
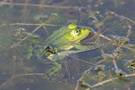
[{"x": 25, "y": 24}]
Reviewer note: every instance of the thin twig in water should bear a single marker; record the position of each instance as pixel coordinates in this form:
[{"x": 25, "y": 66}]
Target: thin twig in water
[
  {"x": 38, "y": 5},
  {"x": 21, "y": 75},
  {"x": 28, "y": 35}
]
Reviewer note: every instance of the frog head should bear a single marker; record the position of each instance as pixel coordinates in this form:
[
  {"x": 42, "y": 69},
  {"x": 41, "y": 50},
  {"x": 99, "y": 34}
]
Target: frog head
[{"x": 78, "y": 32}]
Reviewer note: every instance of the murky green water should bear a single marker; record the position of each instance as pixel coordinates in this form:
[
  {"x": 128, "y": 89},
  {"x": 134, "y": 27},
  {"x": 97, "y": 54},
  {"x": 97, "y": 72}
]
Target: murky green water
[{"x": 25, "y": 24}]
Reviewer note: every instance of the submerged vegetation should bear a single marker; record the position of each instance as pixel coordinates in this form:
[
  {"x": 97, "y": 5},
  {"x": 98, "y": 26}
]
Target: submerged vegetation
[{"x": 25, "y": 24}]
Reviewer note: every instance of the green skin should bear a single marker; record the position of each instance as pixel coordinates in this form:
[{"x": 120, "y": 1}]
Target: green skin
[
  {"x": 67, "y": 37},
  {"x": 61, "y": 42}
]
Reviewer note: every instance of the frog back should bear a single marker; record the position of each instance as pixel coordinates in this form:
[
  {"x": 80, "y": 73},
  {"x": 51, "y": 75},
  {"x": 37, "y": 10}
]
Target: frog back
[{"x": 59, "y": 39}]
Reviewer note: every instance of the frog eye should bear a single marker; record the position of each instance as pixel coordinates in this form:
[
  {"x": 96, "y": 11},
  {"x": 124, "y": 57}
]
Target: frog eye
[
  {"x": 76, "y": 32},
  {"x": 72, "y": 26}
]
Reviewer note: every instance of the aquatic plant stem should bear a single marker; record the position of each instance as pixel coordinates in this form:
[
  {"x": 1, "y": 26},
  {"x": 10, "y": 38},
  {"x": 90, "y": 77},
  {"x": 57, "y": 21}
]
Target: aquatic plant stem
[
  {"x": 28, "y": 35},
  {"x": 38, "y": 5}
]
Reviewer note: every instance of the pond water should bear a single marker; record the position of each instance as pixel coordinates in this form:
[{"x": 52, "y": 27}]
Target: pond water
[{"x": 25, "y": 24}]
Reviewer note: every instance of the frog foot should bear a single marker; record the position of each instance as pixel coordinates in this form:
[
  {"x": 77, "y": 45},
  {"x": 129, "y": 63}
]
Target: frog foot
[{"x": 53, "y": 70}]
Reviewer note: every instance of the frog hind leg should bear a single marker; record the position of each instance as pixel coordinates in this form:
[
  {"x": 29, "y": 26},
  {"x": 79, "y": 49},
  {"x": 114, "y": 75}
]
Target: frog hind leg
[{"x": 53, "y": 70}]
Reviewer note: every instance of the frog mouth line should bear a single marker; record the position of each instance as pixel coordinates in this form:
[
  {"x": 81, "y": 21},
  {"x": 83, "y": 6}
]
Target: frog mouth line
[
  {"x": 90, "y": 38},
  {"x": 91, "y": 34}
]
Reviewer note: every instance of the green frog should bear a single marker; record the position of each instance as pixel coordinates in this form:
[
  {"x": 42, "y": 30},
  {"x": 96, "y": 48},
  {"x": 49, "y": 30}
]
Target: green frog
[{"x": 64, "y": 42}]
